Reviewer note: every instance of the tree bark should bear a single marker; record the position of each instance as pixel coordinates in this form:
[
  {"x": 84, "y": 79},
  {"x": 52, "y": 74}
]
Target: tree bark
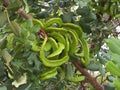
[
  {"x": 23, "y": 13},
  {"x": 91, "y": 79}
]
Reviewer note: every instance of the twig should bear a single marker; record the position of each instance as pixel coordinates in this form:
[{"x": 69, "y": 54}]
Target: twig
[
  {"x": 91, "y": 79},
  {"x": 20, "y": 11},
  {"x": 23, "y": 13},
  {"x": 6, "y": 2}
]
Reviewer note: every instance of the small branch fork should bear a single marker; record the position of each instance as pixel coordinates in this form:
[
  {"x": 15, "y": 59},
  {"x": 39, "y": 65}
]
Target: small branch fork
[{"x": 78, "y": 65}]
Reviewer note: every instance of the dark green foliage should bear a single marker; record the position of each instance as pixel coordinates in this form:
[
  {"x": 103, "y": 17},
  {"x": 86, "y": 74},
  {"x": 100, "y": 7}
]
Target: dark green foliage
[{"x": 17, "y": 59}]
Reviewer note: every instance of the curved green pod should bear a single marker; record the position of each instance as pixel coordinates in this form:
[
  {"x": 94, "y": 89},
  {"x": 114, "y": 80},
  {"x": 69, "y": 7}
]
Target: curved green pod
[{"x": 51, "y": 63}]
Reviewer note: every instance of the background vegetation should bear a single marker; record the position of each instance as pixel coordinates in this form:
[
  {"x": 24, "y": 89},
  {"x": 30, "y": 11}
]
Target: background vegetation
[{"x": 22, "y": 38}]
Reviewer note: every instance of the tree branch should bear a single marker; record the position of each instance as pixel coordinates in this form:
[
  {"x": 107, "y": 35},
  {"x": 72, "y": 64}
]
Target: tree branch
[
  {"x": 20, "y": 11},
  {"x": 6, "y": 2},
  {"x": 91, "y": 79},
  {"x": 23, "y": 13}
]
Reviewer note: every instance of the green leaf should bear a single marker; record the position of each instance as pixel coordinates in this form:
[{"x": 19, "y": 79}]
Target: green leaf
[
  {"x": 32, "y": 37},
  {"x": 115, "y": 58},
  {"x": 7, "y": 57},
  {"x": 15, "y": 28},
  {"x": 83, "y": 3},
  {"x": 85, "y": 27},
  {"x": 3, "y": 88},
  {"x": 114, "y": 45},
  {"x": 113, "y": 68},
  {"x": 12, "y": 1},
  {"x": 25, "y": 87},
  {"x": 114, "y": 0},
  {"x": 70, "y": 70},
  {"x": 35, "y": 29},
  {"x": 26, "y": 6},
  {"x": 10, "y": 39},
  {"x": 110, "y": 78},
  {"x": 102, "y": 71},
  {"x": 24, "y": 33},
  {"x": 102, "y": 60},
  {"x": 85, "y": 11},
  {"x": 29, "y": 24},
  {"x": 15, "y": 5},
  {"x": 33, "y": 59},
  {"x": 109, "y": 86},
  {"x": 42, "y": 14},
  {"x": 17, "y": 63},
  {"x": 94, "y": 66},
  {"x": 3, "y": 41},
  {"x": 67, "y": 18},
  {"x": 116, "y": 84},
  {"x": 3, "y": 19}
]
